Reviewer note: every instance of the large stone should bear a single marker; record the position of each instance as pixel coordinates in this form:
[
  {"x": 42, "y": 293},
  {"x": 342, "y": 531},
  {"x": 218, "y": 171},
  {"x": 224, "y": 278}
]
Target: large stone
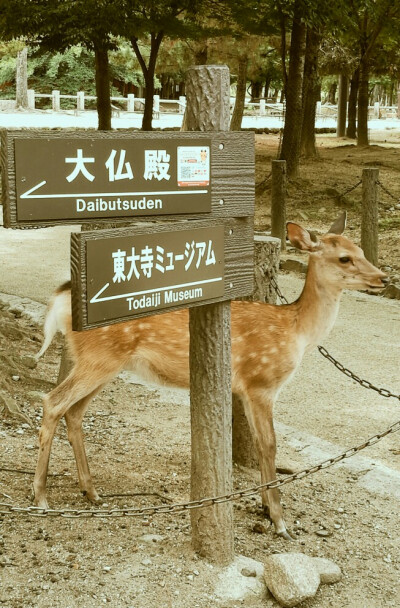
[
  {"x": 291, "y": 578},
  {"x": 235, "y": 584}
]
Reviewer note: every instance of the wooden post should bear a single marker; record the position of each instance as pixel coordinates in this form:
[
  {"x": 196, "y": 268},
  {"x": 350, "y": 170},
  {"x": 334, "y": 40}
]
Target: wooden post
[
  {"x": 80, "y": 101},
  {"x": 398, "y": 100},
  {"x": 131, "y": 103},
  {"x": 31, "y": 99},
  {"x": 55, "y": 96},
  {"x": 207, "y": 93},
  {"x": 369, "y": 214},
  {"x": 266, "y": 263},
  {"x": 21, "y": 79},
  {"x": 182, "y": 104},
  {"x": 278, "y": 201},
  {"x": 342, "y": 105}
]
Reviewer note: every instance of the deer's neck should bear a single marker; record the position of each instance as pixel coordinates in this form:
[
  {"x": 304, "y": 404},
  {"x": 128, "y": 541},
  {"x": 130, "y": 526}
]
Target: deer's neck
[{"x": 318, "y": 307}]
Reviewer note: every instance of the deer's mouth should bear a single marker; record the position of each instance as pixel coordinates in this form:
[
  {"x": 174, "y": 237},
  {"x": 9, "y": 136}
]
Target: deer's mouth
[{"x": 375, "y": 288}]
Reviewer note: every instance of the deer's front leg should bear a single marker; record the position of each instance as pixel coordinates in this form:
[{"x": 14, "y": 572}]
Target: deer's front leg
[{"x": 259, "y": 412}]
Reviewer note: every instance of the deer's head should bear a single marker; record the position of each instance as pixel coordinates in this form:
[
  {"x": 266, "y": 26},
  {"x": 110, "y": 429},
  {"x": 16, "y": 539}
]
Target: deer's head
[{"x": 336, "y": 260}]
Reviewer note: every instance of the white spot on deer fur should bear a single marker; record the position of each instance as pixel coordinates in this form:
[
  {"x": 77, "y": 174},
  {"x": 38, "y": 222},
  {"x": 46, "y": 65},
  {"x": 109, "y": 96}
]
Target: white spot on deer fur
[{"x": 264, "y": 359}]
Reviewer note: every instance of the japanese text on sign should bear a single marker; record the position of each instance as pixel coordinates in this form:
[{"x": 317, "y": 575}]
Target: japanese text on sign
[
  {"x": 98, "y": 178},
  {"x": 154, "y": 271}
]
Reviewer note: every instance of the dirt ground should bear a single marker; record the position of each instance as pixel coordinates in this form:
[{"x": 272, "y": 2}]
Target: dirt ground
[{"x": 138, "y": 446}]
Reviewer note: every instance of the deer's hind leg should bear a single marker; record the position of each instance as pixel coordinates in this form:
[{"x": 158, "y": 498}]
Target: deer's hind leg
[
  {"x": 73, "y": 418},
  {"x": 75, "y": 388}
]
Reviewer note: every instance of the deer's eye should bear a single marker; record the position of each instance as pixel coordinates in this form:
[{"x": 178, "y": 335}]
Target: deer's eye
[{"x": 344, "y": 259}]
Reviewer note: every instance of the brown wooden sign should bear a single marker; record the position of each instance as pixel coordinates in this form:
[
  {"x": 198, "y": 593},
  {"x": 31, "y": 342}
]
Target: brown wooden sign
[
  {"x": 78, "y": 177},
  {"x": 131, "y": 272}
]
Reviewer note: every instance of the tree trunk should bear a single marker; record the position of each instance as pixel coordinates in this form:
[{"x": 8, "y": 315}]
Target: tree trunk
[
  {"x": 294, "y": 113},
  {"x": 22, "y": 79},
  {"x": 363, "y": 99},
  {"x": 311, "y": 88},
  {"x": 201, "y": 53},
  {"x": 352, "y": 110},
  {"x": 148, "y": 74},
  {"x": 332, "y": 93},
  {"x": 255, "y": 90},
  {"x": 236, "y": 121},
  {"x": 342, "y": 105},
  {"x": 147, "y": 121},
  {"x": 103, "y": 89}
]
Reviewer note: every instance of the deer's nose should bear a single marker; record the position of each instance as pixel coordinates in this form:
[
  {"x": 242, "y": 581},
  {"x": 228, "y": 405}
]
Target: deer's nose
[{"x": 385, "y": 280}]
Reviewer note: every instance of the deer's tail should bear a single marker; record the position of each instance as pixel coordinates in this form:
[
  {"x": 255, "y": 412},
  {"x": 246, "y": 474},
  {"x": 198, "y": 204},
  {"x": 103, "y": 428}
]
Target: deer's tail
[{"x": 57, "y": 316}]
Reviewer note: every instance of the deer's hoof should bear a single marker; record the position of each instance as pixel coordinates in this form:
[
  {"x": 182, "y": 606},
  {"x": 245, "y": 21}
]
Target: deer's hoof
[
  {"x": 91, "y": 496},
  {"x": 39, "y": 501},
  {"x": 285, "y": 534}
]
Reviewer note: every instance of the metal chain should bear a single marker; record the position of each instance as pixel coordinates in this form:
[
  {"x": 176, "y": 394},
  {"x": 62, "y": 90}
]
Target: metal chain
[
  {"x": 350, "y": 189},
  {"x": 8, "y": 509},
  {"x": 296, "y": 185},
  {"x": 262, "y": 185},
  {"x": 384, "y": 392},
  {"x": 395, "y": 198}
]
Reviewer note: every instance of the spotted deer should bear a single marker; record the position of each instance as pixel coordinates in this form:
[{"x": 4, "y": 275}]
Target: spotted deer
[{"x": 268, "y": 343}]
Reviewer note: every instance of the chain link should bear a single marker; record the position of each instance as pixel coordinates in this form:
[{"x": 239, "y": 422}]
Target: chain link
[
  {"x": 296, "y": 185},
  {"x": 395, "y": 198},
  {"x": 350, "y": 189},
  {"x": 8, "y": 509},
  {"x": 384, "y": 392}
]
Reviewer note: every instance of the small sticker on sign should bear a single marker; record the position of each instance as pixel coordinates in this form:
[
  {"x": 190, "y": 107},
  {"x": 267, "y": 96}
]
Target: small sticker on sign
[{"x": 193, "y": 166}]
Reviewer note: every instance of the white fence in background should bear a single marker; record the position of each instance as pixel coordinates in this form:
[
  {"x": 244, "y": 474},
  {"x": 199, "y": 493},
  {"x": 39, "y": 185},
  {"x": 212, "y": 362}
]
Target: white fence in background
[{"x": 132, "y": 104}]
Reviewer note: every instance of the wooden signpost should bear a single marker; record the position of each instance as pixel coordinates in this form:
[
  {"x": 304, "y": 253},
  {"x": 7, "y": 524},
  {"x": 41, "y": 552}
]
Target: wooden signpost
[
  {"x": 190, "y": 197},
  {"x": 78, "y": 177}
]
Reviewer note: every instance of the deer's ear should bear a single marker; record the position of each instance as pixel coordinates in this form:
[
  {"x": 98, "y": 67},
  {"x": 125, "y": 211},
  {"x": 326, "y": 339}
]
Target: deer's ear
[
  {"x": 301, "y": 238},
  {"x": 339, "y": 224}
]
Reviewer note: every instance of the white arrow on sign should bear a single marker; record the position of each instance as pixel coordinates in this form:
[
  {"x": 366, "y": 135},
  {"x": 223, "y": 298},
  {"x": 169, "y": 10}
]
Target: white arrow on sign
[
  {"x": 96, "y": 298},
  {"x": 29, "y": 193}
]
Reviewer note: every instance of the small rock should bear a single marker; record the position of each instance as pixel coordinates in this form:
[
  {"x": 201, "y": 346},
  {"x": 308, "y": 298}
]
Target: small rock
[
  {"x": 17, "y": 312},
  {"x": 302, "y": 214},
  {"x": 248, "y": 572},
  {"x": 29, "y": 362},
  {"x": 392, "y": 291},
  {"x": 15, "y": 378},
  {"x": 324, "y": 533},
  {"x": 328, "y": 571},
  {"x": 259, "y": 528},
  {"x": 151, "y": 538},
  {"x": 291, "y": 578}
]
